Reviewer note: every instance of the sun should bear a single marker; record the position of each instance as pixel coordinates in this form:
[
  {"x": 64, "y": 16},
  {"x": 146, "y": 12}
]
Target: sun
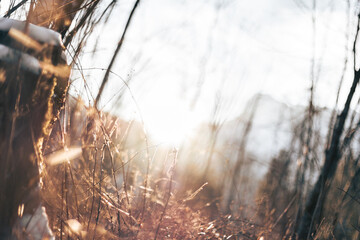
[{"x": 170, "y": 123}]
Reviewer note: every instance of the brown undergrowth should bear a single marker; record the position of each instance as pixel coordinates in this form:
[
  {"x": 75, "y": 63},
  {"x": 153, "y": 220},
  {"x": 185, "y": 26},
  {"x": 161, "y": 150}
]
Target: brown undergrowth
[{"x": 94, "y": 185}]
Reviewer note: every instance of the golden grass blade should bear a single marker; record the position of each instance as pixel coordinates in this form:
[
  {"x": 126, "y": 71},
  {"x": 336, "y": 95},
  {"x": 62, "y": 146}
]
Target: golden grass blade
[
  {"x": 61, "y": 156},
  {"x": 25, "y": 40}
]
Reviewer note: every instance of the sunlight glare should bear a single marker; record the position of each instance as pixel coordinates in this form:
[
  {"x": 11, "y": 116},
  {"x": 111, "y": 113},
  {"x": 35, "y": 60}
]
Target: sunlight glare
[{"x": 170, "y": 124}]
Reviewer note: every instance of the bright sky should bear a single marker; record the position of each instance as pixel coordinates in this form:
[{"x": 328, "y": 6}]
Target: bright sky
[{"x": 230, "y": 49}]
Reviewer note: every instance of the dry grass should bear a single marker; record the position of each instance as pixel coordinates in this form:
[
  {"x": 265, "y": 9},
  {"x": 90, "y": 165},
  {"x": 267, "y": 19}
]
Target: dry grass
[{"x": 100, "y": 193}]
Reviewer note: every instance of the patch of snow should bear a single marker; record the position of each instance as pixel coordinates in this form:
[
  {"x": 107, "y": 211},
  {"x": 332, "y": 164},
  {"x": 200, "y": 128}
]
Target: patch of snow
[
  {"x": 40, "y": 34},
  {"x": 36, "y": 226},
  {"x": 27, "y": 62}
]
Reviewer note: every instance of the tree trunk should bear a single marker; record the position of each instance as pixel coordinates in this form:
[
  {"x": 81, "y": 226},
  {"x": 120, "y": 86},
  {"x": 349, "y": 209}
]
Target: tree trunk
[
  {"x": 32, "y": 90},
  {"x": 332, "y": 157}
]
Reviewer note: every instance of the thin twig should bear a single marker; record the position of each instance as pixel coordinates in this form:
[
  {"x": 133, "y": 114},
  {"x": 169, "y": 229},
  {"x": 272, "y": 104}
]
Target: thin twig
[
  {"x": 13, "y": 9},
  {"x": 106, "y": 77},
  {"x": 172, "y": 168}
]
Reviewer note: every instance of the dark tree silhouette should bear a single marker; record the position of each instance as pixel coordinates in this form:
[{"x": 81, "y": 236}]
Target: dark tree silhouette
[{"x": 318, "y": 195}]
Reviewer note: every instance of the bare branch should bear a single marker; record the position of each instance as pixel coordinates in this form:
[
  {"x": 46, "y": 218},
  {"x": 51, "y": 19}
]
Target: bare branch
[{"x": 106, "y": 77}]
